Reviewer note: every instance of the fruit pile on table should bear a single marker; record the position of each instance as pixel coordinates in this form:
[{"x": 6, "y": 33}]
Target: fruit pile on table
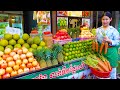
[
  {"x": 16, "y": 54},
  {"x": 14, "y": 41},
  {"x": 61, "y": 35},
  {"x": 77, "y": 49},
  {"x": 16, "y": 61}
]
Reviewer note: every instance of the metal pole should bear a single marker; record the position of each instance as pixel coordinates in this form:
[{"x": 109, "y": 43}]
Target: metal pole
[{"x": 91, "y": 19}]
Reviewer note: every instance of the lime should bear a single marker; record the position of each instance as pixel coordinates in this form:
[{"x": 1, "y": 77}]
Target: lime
[
  {"x": 74, "y": 49},
  {"x": 73, "y": 52},
  {"x": 72, "y": 56},
  {"x": 66, "y": 54},
  {"x": 81, "y": 54},
  {"x": 77, "y": 48},
  {"x": 76, "y": 55},
  {"x": 78, "y": 52},
  {"x": 69, "y": 57},
  {"x": 69, "y": 53},
  {"x": 66, "y": 50},
  {"x": 74, "y": 45},
  {"x": 66, "y": 46},
  {"x": 70, "y": 49},
  {"x": 77, "y": 45},
  {"x": 71, "y": 46},
  {"x": 80, "y": 44},
  {"x": 66, "y": 58},
  {"x": 84, "y": 54},
  {"x": 85, "y": 46},
  {"x": 82, "y": 50}
]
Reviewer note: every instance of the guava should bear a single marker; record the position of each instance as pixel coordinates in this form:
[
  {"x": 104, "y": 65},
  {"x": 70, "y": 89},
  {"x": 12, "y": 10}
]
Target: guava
[
  {"x": 25, "y": 36},
  {"x": 26, "y": 45},
  {"x": 30, "y": 49},
  {"x": 39, "y": 47},
  {"x": 9, "y": 46},
  {"x": 4, "y": 42},
  {"x": 17, "y": 46},
  {"x": 12, "y": 42},
  {"x": 36, "y": 40},
  {"x": 21, "y": 41},
  {"x": 16, "y": 36},
  {"x": 2, "y": 48},
  {"x": 34, "y": 46},
  {"x": 42, "y": 43},
  {"x": 8, "y": 36},
  {"x": 30, "y": 41}
]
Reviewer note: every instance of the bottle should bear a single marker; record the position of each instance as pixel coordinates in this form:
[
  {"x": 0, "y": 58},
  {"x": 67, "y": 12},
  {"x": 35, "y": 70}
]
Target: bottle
[{"x": 48, "y": 39}]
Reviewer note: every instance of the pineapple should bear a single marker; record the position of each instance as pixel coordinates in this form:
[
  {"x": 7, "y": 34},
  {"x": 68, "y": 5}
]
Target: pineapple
[
  {"x": 58, "y": 49},
  {"x": 48, "y": 57},
  {"x": 54, "y": 58},
  {"x": 60, "y": 57},
  {"x": 42, "y": 61},
  {"x": 40, "y": 57}
]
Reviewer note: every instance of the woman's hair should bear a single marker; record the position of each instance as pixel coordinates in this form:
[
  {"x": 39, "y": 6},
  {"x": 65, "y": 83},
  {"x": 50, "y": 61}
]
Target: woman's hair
[{"x": 107, "y": 13}]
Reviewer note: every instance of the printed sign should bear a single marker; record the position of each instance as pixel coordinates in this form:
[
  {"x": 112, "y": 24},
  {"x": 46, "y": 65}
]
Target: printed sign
[
  {"x": 75, "y": 13},
  {"x": 68, "y": 71},
  {"x": 86, "y": 22},
  {"x": 12, "y": 30}
]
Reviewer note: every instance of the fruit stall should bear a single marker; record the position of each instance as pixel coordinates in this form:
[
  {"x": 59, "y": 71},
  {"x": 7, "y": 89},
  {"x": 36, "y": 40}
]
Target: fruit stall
[
  {"x": 31, "y": 58},
  {"x": 42, "y": 55}
]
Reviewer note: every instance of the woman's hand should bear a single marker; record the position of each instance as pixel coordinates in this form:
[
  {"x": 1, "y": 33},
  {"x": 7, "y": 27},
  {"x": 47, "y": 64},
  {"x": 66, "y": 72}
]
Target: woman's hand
[{"x": 106, "y": 39}]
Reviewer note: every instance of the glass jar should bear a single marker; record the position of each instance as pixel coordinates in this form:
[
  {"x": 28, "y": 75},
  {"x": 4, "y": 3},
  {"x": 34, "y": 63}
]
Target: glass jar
[{"x": 48, "y": 39}]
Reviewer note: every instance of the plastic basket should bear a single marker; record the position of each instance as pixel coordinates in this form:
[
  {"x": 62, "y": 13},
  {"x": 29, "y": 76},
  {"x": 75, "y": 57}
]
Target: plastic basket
[
  {"x": 100, "y": 74},
  {"x": 62, "y": 41}
]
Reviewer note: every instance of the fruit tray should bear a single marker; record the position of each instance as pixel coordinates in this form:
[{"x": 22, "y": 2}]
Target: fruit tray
[{"x": 62, "y": 41}]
